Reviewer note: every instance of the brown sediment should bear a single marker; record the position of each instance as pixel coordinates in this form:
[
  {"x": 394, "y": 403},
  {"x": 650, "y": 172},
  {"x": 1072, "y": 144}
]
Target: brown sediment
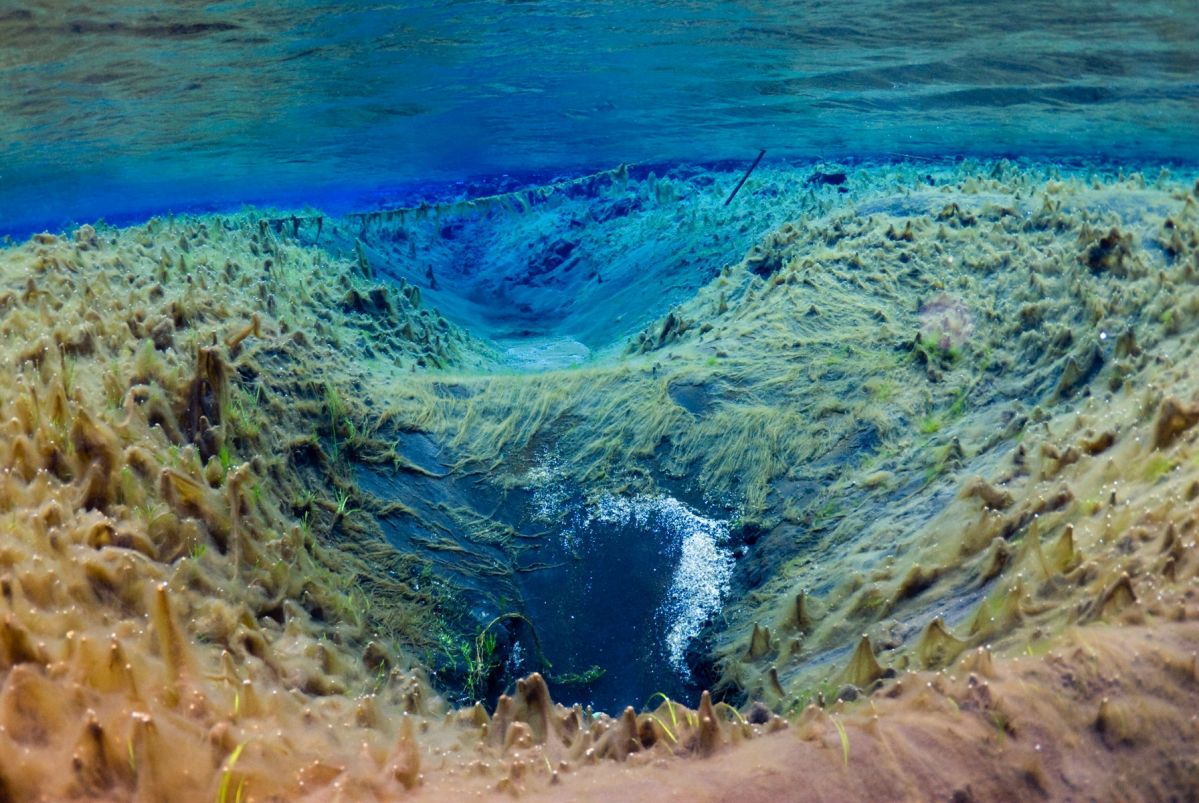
[
  {"x": 999, "y": 599},
  {"x": 164, "y": 608}
]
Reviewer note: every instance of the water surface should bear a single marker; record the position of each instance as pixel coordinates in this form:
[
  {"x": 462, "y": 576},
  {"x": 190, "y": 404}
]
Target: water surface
[{"x": 112, "y": 111}]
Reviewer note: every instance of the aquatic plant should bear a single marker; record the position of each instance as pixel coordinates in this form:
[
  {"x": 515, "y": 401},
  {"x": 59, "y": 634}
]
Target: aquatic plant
[
  {"x": 583, "y": 678},
  {"x": 1158, "y": 466},
  {"x": 480, "y": 655},
  {"x": 844, "y": 737},
  {"x": 227, "y": 777},
  {"x": 335, "y": 409},
  {"x": 225, "y": 458}
]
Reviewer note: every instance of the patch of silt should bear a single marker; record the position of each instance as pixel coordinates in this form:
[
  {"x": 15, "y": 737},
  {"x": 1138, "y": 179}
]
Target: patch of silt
[{"x": 987, "y": 464}]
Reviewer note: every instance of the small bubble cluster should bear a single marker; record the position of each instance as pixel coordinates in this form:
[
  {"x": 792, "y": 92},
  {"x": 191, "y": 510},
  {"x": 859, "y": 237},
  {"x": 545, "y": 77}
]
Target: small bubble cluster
[
  {"x": 701, "y": 576},
  {"x": 705, "y": 566}
]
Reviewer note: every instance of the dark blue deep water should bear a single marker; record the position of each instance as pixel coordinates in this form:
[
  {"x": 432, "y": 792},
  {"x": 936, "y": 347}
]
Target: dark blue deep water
[{"x": 117, "y": 110}]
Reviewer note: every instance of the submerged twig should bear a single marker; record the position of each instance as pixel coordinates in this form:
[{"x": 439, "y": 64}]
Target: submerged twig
[{"x": 741, "y": 183}]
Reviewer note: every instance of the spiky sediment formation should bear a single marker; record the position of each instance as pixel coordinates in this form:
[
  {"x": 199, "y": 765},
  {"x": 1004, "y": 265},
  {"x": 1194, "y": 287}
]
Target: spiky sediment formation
[{"x": 166, "y": 562}]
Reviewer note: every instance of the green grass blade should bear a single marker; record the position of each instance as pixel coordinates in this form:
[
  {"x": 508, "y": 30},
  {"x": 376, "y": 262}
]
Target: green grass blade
[
  {"x": 665, "y": 729},
  {"x": 669, "y": 705},
  {"x": 227, "y": 775},
  {"x": 844, "y": 740}
]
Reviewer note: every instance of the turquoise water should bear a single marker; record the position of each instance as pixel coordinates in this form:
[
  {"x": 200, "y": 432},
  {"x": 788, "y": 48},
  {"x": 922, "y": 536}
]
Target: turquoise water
[{"x": 123, "y": 110}]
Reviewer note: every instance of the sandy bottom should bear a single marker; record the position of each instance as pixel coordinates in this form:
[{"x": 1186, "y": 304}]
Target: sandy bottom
[
  {"x": 265, "y": 510},
  {"x": 546, "y": 354}
]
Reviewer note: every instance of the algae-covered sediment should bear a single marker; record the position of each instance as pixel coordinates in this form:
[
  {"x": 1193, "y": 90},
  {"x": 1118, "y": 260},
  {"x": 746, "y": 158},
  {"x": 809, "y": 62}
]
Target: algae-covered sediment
[{"x": 267, "y": 511}]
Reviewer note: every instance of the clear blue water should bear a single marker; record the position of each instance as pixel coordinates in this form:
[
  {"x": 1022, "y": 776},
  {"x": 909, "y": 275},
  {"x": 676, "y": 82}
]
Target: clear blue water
[{"x": 119, "y": 110}]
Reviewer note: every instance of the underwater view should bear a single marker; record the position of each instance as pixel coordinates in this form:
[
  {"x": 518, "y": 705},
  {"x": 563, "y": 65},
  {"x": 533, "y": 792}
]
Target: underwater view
[{"x": 599, "y": 401}]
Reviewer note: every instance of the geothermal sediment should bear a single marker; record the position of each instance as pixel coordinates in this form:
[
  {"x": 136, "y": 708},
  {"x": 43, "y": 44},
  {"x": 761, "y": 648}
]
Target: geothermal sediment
[{"x": 949, "y": 413}]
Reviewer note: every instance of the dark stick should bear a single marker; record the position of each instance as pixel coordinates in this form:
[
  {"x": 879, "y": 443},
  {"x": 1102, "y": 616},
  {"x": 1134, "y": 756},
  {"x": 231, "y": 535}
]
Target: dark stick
[{"x": 737, "y": 189}]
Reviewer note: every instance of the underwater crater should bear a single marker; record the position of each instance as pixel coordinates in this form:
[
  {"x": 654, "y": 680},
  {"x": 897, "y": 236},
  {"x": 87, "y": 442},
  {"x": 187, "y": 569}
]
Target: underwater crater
[{"x": 883, "y": 466}]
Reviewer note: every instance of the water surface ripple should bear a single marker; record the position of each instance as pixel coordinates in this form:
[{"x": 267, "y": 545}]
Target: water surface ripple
[{"x": 112, "y": 109}]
